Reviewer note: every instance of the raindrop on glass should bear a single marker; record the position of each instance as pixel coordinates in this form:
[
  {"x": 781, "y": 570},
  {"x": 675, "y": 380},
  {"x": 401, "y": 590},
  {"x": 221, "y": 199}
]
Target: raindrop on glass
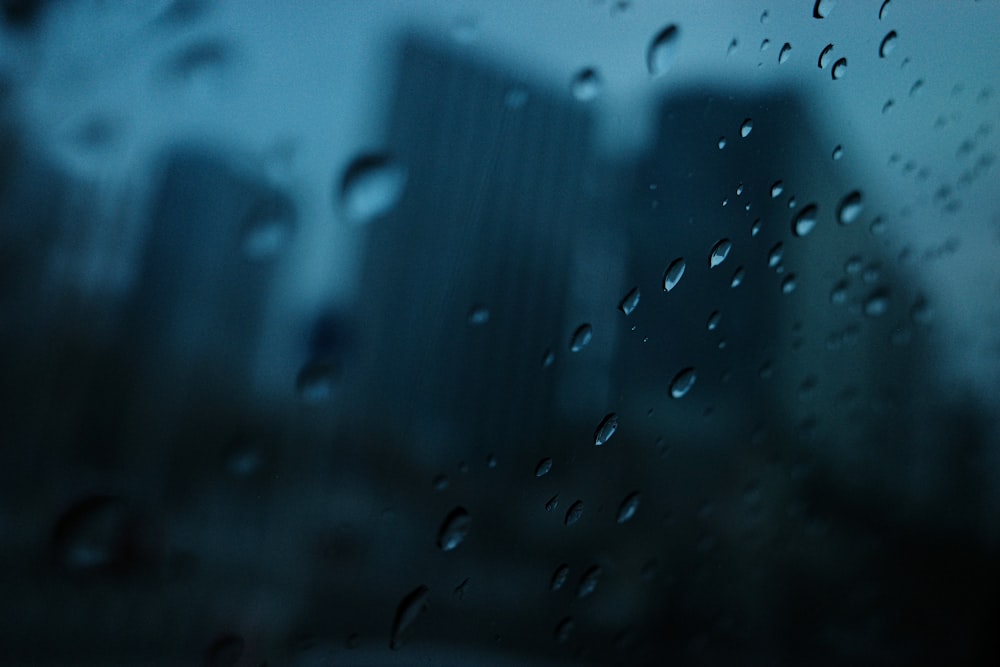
[
  {"x": 822, "y": 8},
  {"x": 739, "y": 190},
  {"x": 515, "y": 98},
  {"x": 738, "y": 277},
  {"x": 454, "y": 529},
  {"x": 785, "y": 53},
  {"x": 552, "y": 503},
  {"x": 788, "y": 284},
  {"x": 629, "y": 301},
  {"x": 756, "y": 227},
  {"x": 883, "y": 10},
  {"x": 838, "y": 295},
  {"x": 628, "y": 507},
  {"x": 543, "y": 467},
  {"x": 805, "y": 220},
  {"x": 838, "y": 152},
  {"x": 683, "y": 382},
  {"x": 564, "y": 629},
  {"x": 887, "y": 107},
  {"x": 850, "y": 207},
  {"x": 588, "y": 582},
  {"x": 877, "y": 226},
  {"x": 662, "y": 50},
  {"x": 370, "y": 187},
  {"x": 839, "y": 69},
  {"x": 268, "y": 229},
  {"x": 411, "y": 608},
  {"x": 713, "y": 320},
  {"x": 824, "y": 56},
  {"x": 887, "y": 45},
  {"x": 722, "y": 143},
  {"x": 559, "y": 577},
  {"x": 478, "y": 315},
  {"x": 746, "y": 127},
  {"x": 606, "y": 429},
  {"x": 586, "y": 85},
  {"x": 440, "y": 483},
  {"x": 574, "y": 513},
  {"x": 720, "y": 251},
  {"x": 548, "y": 358},
  {"x": 581, "y": 337},
  {"x": 877, "y": 303},
  {"x": 776, "y": 189},
  {"x": 673, "y": 274},
  {"x": 775, "y": 255},
  {"x": 765, "y": 44}
]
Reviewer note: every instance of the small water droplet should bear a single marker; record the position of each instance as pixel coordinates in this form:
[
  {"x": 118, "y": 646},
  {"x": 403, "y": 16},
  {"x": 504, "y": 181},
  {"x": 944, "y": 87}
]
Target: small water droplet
[
  {"x": 581, "y": 337},
  {"x": 765, "y": 44},
  {"x": 756, "y": 227},
  {"x": 478, "y": 315},
  {"x": 888, "y": 44},
  {"x": 713, "y": 320},
  {"x": 491, "y": 461},
  {"x": 564, "y": 629},
  {"x": 454, "y": 529},
  {"x": 629, "y": 301},
  {"x": 722, "y": 143},
  {"x": 838, "y": 152},
  {"x": 683, "y": 382},
  {"x": 789, "y": 283},
  {"x": 764, "y": 15},
  {"x": 839, "y": 69},
  {"x": 887, "y": 107},
  {"x": 515, "y": 98},
  {"x": 574, "y": 513},
  {"x": 877, "y": 226},
  {"x": 588, "y": 582},
  {"x": 776, "y": 189},
  {"x": 733, "y": 45},
  {"x": 838, "y": 295},
  {"x": 559, "y": 577},
  {"x": 921, "y": 312},
  {"x": 629, "y": 506},
  {"x": 315, "y": 382},
  {"x": 543, "y": 467},
  {"x": 805, "y": 220},
  {"x": 746, "y": 127},
  {"x": 877, "y": 303},
  {"x": 606, "y": 429},
  {"x": 268, "y": 229},
  {"x": 411, "y": 608},
  {"x": 825, "y": 55},
  {"x": 822, "y": 8},
  {"x": 738, "y": 277},
  {"x": 371, "y": 186},
  {"x": 552, "y": 503},
  {"x": 785, "y": 53},
  {"x": 720, "y": 251},
  {"x": 775, "y": 255},
  {"x": 673, "y": 274},
  {"x": 548, "y": 358},
  {"x": 850, "y": 207},
  {"x": 440, "y": 483},
  {"x": 662, "y": 50},
  {"x": 586, "y": 84},
  {"x": 739, "y": 190},
  {"x": 883, "y": 10}
]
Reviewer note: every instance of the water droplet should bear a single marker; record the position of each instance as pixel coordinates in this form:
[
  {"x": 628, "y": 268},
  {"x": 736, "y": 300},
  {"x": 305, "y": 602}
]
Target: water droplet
[
  {"x": 776, "y": 189},
  {"x": 756, "y": 227},
  {"x": 915, "y": 88},
  {"x": 785, "y": 53},
  {"x": 586, "y": 85},
  {"x": 515, "y": 98},
  {"x": 825, "y": 55},
  {"x": 765, "y": 44},
  {"x": 411, "y": 608},
  {"x": 371, "y": 186},
  {"x": 478, "y": 315},
  {"x": 822, "y": 8},
  {"x": 746, "y": 127},
  {"x": 440, "y": 483},
  {"x": 588, "y": 582},
  {"x": 838, "y": 295},
  {"x": 574, "y": 513},
  {"x": 491, "y": 461},
  {"x": 454, "y": 529},
  {"x": 838, "y": 152},
  {"x": 662, "y": 50},
  {"x": 733, "y": 44},
  {"x": 315, "y": 382},
  {"x": 789, "y": 283},
  {"x": 850, "y": 208},
  {"x": 673, "y": 274},
  {"x": 764, "y": 15},
  {"x": 805, "y": 220},
  {"x": 559, "y": 577},
  {"x": 738, "y": 277},
  {"x": 628, "y": 507},
  {"x": 739, "y": 190},
  {"x": 683, "y": 382},
  {"x": 877, "y": 303},
  {"x": 552, "y": 503},
  {"x": 883, "y": 10},
  {"x": 921, "y": 312},
  {"x": 887, "y": 45},
  {"x": 722, "y": 143},
  {"x": 581, "y": 337},
  {"x": 93, "y": 536},
  {"x": 839, "y": 69},
  {"x": 887, "y": 107},
  {"x": 564, "y": 629},
  {"x": 720, "y": 251},
  {"x": 543, "y": 467},
  {"x": 877, "y": 226},
  {"x": 606, "y": 429},
  {"x": 629, "y": 301},
  {"x": 713, "y": 320},
  {"x": 548, "y": 358},
  {"x": 268, "y": 229},
  {"x": 775, "y": 255}
]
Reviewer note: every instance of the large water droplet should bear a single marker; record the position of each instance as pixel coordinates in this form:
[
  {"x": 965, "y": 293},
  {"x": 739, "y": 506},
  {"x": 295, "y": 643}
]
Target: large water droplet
[
  {"x": 543, "y": 467},
  {"x": 454, "y": 529},
  {"x": 411, "y": 608},
  {"x": 746, "y": 127},
  {"x": 628, "y": 507},
  {"x": 775, "y": 255},
  {"x": 581, "y": 337},
  {"x": 588, "y": 582},
  {"x": 564, "y": 629},
  {"x": 629, "y": 301},
  {"x": 683, "y": 382},
  {"x": 839, "y": 69},
  {"x": 850, "y": 208},
  {"x": 662, "y": 50},
  {"x": 822, "y": 8},
  {"x": 887, "y": 45},
  {"x": 673, "y": 274},
  {"x": 877, "y": 303},
  {"x": 370, "y": 187},
  {"x": 606, "y": 429},
  {"x": 574, "y": 513},
  {"x": 559, "y": 577},
  {"x": 805, "y": 220},
  {"x": 785, "y": 53},
  {"x": 720, "y": 251},
  {"x": 825, "y": 55},
  {"x": 586, "y": 84}
]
